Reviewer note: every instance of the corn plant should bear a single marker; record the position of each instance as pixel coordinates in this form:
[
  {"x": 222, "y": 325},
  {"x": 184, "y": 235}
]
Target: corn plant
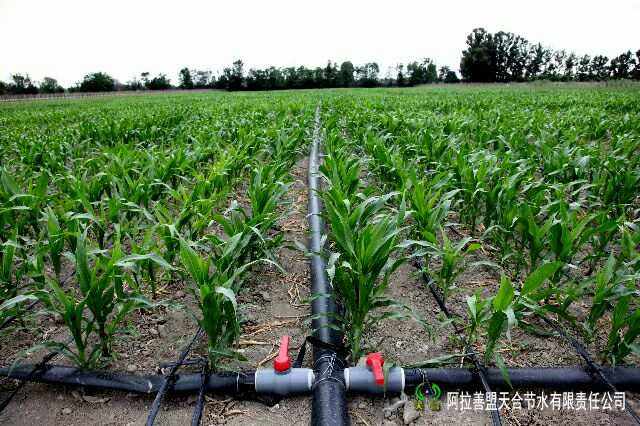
[
  {"x": 265, "y": 191},
  {"x": 430, "y": 206},
  {"x": 452, "y": 256},
  {"x": 92, "y": 312},
  {"x": 367, "y": 251},
  {"x": 343, "y": 171},
  {"x": 625, "y": 329},
  {"x": 55, "y": 241},
  {"x": 568, "y": 233},
  {"x": 498, "y": 314},
  {"x": 217, "y": 280},
  {"x": 8, "y": 283},
  {"x": 630, "y": 247}
]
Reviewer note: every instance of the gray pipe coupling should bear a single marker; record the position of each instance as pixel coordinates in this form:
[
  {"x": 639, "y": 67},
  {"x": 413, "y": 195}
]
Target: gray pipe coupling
[
  {"x": 293, "y": 381},
  {"x": 360, "y": 379}
]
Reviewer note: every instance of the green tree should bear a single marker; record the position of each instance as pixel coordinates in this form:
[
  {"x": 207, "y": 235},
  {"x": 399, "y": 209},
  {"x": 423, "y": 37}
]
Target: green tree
[
  {"x": 145, "y": 78},
  {"x": 400, "y": 80},
  {"x": 451, "y": 77},
  {"x": 367, "y": 74},
  {"x": 186, "y": 81},
  {"x": 97, "y": 82},
  {"x": 584, "y": 72},
  {"x": 570, "y": 64},
  {"x": 431, "y": 74},
  {"x": 159, "y": 82},
  {"x": 635, "y": 74},
  {"x": 622, "y": 66},
  {"x": 234, "y": 76},
  {"x": 50, "y": 85},
  {"x": 478, "y": 63},
  {"x": 535, "y": 61},
  {"x": 447, "y": 75},
  {"x": 599, "y": 67},
  {"x": 203, "y": 79},
  {"x": 331, "y": 74},
  {"x": 134, "y": 84},
  {"x": 345, "y": 77},
  {"x": 22, "y": 85}
]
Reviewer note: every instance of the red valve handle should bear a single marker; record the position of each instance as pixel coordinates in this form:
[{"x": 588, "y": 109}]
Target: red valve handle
[
  {"x": 282, "y": 362},
  {"x": 375, "y": 363}
]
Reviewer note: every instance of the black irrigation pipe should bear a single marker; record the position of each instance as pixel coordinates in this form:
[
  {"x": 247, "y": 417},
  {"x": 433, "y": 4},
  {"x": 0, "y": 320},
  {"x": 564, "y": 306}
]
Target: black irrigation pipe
[
  {"x": 556, "y": 378},
  {"x": 481, "y": 369},
  {"x": 329, "y": 404},
  {"x": 594, "y": 368},
  {"x": 170, "y": 379},
  {"x": 225, "y": 383},
  {"x": 239, "y": 383}
]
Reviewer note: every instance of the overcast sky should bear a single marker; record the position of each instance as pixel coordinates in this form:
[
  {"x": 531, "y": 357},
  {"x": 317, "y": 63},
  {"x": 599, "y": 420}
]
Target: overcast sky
[{"x": 66, "y": 39}]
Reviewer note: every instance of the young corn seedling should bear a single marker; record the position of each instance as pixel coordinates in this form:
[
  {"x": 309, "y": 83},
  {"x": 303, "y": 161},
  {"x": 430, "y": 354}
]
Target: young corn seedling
[
  {"x": 452, "y": 261},
  {"x": 497, "y": 315},
  {"x": 568, "y": 233},
  {"x": 8, "y": 285},
  {"x": 102, "y": 288},
  {"x": 343, "y": 171},
  {"x": 265, "y": 191},
  {"x": 216, "y": 282},
  {"x": 430, "y": 207},
  {"x": 19, "y": 208},
  {"x": 55, "y": 241},
  {"x": 610, "y": 287},
  {"x": 630, "y": 247},
  {"x": 625, "y": 329},
  {"x": 533, "y": 235},
  {"x": 94, "y": 311},
  {"x": 367, "y": 251}
]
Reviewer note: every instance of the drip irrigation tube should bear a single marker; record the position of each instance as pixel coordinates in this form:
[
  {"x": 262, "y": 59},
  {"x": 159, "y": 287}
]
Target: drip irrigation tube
[
  {"x": 169, "y": 380},
  {"x": 481, "y": 369},
  {"x": 594, "y": 368},
  {"x": 329, "y": 406}
]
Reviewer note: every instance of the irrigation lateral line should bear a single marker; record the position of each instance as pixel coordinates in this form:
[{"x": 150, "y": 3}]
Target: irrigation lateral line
[
  {"x": 329, "y": 405},
  {"x": 170, "y": 379},
  {"x": 41, "y": 366},
  {"x": 594, "y": 367},
  {"x": 482, "y": 370}
]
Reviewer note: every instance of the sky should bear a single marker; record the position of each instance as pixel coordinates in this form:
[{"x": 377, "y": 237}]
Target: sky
[{"x": 67, "y": 39}]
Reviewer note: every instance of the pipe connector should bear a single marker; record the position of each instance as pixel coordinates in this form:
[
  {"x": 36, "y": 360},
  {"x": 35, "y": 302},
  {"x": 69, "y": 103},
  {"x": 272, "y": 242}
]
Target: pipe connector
[
  {"x": 293, "y": 381},
  {"x": 362, "y": 380}
]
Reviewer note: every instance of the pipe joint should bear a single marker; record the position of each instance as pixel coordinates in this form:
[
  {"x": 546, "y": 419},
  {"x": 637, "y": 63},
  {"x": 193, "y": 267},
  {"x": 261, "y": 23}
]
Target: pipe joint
[
  {"x": 362, "y": 380},
  {"x": 293, "y": 381}
]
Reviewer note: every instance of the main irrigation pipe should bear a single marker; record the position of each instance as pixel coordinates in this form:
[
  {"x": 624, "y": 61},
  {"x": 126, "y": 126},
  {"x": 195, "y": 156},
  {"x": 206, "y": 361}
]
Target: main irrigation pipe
[
  {"x": 234, "y": 383},
  {"x": 329, "y": 405}
]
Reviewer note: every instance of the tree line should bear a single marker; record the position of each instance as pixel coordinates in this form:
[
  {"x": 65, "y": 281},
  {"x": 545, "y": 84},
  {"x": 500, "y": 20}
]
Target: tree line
[
  {"x": 506, "y": 57},
  {"x": 502, "y": 57}
]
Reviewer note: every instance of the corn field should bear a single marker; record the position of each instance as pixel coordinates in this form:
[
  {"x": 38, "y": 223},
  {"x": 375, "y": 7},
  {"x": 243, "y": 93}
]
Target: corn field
[{"x": 533, "y": 195}]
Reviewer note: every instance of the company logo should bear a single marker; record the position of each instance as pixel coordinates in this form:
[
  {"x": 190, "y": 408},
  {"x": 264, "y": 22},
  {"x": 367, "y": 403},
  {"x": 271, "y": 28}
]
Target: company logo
[{"x": 432, "y": 392}]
